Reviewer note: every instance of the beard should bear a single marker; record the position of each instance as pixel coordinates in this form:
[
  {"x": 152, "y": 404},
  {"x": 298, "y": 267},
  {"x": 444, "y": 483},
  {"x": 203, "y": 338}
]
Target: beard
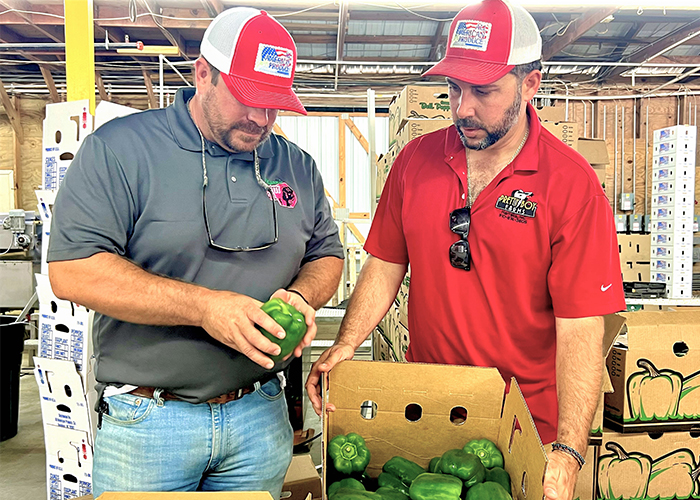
[
  {"x": 224, "y": 134},
  {"x": 495, "y": 134}
]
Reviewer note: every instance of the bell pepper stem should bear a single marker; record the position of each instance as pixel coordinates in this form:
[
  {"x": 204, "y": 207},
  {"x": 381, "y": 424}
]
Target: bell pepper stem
[
  {"x": 614, "y": 447},
  {"x": 648, "y": 366}
]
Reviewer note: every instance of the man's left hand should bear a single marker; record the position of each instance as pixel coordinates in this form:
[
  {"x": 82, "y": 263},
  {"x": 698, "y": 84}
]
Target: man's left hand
[
  {"x": 560, "y": 479},
  {"x": 305, "y": 309}
]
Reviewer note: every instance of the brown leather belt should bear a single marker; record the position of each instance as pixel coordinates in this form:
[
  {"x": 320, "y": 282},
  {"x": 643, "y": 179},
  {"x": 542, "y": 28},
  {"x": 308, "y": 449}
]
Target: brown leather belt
[{"x": 147, "y": 392}]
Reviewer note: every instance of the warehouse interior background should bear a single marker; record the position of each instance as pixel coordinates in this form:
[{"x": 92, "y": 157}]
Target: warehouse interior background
[{"x": 612, "y": 73}]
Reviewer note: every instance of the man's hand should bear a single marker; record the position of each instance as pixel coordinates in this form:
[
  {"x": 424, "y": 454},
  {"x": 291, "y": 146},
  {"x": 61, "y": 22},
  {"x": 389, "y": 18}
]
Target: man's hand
[
  {"x": 309, "y": 313},
  {"x": 230, "y": 318},
  {"x": 330, "y": 357},
  {"x": 560, "y": 479}
]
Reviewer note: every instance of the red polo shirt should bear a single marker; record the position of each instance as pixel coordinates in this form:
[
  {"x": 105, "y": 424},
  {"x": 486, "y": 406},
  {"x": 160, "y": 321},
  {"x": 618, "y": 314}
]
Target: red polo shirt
[{"x": 543, "y": 244}]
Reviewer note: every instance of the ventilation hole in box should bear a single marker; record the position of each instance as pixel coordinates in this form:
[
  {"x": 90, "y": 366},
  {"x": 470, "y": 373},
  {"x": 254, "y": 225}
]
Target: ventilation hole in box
[
  {"x": 368, "y": 409},
  {"x": 68, "y": 390},
  {"x": 458, "y": 415},
  {"x": 680, "y": 349},
  {"x": 516, "y": 428},
  {"x": 58, "y": 137},
  {"x": 54, "y": 307},
  {"x": 524, "y": 485},
  {"x": 70, "y": 478},
  {"x": 695, "y": 432},
  {"x": 63, "y": 408},
  {"x": 655, "y": 435},
  {"x": 66, "y": 156},
  {"x": 413, "y": 412},
  {"x": 62, "y": 328}
]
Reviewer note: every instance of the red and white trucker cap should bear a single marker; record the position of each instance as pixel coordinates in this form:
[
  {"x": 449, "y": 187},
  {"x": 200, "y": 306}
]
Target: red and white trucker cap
[
  {"x": 487, "y": 39},
  {"x": 256, "y": 57}
]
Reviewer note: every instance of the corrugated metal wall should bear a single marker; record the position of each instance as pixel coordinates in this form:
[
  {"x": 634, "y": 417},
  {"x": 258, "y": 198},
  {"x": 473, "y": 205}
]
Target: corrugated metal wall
[{"x": 318, "y": 136}]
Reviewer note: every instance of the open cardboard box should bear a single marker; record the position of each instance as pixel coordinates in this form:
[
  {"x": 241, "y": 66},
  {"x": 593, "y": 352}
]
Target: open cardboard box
[
  {"x": 656, "y": 373},
  {"x": 435, "y": 398},
  {"x": 418, "y": 101}
]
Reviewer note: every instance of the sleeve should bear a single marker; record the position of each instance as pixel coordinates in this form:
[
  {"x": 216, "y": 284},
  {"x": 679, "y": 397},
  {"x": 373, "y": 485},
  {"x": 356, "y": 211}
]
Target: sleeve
[
  {"x": 325, "y": 241},
  {"x": 386, "y": 239},
  {"x": 585, "y": 277},
  {"x": 95, "y": 207}
]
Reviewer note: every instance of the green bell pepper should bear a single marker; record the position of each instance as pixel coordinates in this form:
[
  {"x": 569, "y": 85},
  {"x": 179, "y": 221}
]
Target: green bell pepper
[
  {"x": 674, "y": 476},
  {"x": 349, "y": 453},
  {"x": 387, "y": 480},
  {"x": 291, "y": 320},
  {"x": 689, "y": 405},
  {"x": 434, "y": 465},
  {"x": 429, "y": 486},
  {"x": 500, "y": 476},
  {"x": 403, "y": 469},
  {"x": 623, "y": 475},
  {"x": 390, "y": 493},
  {"x": 465, "y": 466},
  {"x": 488, "y": 453},
  {"x": 487, "y": 491},
  {"x": 353, "y": 494},
  {"x": 654, "y": 394},
  {"x": 347, "y": 483}
]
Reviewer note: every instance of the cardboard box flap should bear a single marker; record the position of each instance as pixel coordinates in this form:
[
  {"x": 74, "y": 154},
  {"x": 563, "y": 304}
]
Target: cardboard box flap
[
  {"x": 613, "y": 328},
  {"x": 551, "y": 114},
  {"x": 301, "y": 479},
  {"x": 518, "y": 435},
  {"x": 593, "y": 150},
  {"x": 439, "y": 399},
  {"x": 660, "y": 330}
]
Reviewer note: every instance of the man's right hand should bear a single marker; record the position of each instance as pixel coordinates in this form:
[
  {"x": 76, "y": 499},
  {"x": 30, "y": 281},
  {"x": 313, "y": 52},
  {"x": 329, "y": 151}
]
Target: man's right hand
[
  {"x": 326, "y": 361},
  {"x": 230, "y": 318}
]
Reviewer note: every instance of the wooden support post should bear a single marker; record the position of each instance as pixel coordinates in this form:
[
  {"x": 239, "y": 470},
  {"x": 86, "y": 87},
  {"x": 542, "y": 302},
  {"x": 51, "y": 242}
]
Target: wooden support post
[
  {"x": 12, "y": 113},
  {"x": 341, "y": 163},
  {"x": 278, "y": 130},
  {"x": 17, "y": 158},
  {"x": 152, "y": 102},
  {"x": 101, "y": 87},
  {"x": 48, "y": 78}
]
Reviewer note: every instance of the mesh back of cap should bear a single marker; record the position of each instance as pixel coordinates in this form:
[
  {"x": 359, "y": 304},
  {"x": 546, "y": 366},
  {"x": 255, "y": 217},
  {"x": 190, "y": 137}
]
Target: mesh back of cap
[
  {"x": 526, "y": 43},
  {"x": 221, "y": 37}
]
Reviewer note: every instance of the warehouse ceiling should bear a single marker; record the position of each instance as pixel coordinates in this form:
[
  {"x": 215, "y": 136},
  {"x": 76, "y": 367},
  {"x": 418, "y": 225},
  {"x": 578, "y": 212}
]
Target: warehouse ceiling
[{"x": 346, "y": 47}]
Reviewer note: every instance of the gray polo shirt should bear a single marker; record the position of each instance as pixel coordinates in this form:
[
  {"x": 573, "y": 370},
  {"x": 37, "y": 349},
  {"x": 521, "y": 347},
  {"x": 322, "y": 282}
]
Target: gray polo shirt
[{"x": 135, "y": 189}]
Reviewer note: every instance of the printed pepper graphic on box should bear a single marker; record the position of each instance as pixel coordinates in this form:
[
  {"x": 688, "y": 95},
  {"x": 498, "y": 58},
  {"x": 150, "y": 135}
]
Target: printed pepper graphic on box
[
  {"x": 689, "y": 405},
  {"x": 653, "y": 394},
  {"x": 674, "y": 476},
  {"x": 623, "y": 475}
]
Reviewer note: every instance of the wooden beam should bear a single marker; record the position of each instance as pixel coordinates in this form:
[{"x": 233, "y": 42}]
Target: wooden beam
[
  {"x": 54, "y": 33},
  {"x": 356, "y": 132},
  {"x": 341, "y": 163},
  {"x": 53, "y": 92},
  {"x": 437, "y": 38},
  {"x": 173, "y": 37},
  {"x": 356, "y": 233},
  {"x": 214, "y": 7},
  {"x": 152, "y": 101},
  {"x": 343, "y": 17},
  {"x": 12, "y": 113},
  {"x": 17, "y": 158},
  {"x": 278, "y": 130},
  {"x": 101, "y": 87},
  {"x": 576, "y": 30}
]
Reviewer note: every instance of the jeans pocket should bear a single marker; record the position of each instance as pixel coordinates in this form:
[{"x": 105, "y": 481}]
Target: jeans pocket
[
  {"x": 271, "y": 390},
  {"x": 127, "y": 409}
]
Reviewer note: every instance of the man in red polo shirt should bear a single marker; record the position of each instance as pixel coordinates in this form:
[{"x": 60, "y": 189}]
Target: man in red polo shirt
[{"x": 510, "y": 239}]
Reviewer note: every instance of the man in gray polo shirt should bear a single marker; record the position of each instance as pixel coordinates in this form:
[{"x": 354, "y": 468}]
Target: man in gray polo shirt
[{"x": 175, "y": 225}]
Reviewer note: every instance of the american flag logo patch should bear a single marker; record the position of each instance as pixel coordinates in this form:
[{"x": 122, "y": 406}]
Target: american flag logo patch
[
  {"x": 276, "y": 61},
  {"x": 472, "y": 35}
]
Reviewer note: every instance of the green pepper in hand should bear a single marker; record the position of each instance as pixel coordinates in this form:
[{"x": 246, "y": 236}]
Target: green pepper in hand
[
  {"x": 291, "y": 320},
  {"x": 488, "y": 453},
  {"x": 349, "y": 453}
]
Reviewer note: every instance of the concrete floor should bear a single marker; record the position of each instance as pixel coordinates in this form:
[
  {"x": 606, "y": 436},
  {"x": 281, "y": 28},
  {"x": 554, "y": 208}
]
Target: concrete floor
[{"x": 23, "y": 457}]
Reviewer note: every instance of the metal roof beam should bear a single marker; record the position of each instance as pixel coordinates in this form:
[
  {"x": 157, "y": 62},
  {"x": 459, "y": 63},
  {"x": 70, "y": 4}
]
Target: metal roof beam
[{"x": 576, "y": 30}]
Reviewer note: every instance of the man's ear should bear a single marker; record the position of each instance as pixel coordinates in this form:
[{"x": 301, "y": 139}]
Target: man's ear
[
  {"x": 531, "y": 84},
  {"x": 202, "y": 73}
]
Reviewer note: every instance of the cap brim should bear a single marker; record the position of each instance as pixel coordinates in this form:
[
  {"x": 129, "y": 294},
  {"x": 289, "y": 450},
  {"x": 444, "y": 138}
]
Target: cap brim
[
  {"x": 261, "y": 95},
  {"x": 470, "y": 71}
]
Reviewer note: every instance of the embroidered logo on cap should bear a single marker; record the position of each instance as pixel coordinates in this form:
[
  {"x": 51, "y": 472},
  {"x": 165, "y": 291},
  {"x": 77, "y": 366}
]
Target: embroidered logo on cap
[
  {"x": 275, "y": 61},
  {"x": 472, "y": 35},
  {"x": 518, "y": 203}
]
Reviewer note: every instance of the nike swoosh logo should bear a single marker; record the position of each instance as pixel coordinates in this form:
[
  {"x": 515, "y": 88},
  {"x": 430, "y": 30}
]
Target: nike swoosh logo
[{"x": 605, "y": 288}]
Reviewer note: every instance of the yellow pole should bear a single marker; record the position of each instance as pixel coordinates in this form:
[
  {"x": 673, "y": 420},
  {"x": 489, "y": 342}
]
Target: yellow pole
[{"x": 80, "y": 51}]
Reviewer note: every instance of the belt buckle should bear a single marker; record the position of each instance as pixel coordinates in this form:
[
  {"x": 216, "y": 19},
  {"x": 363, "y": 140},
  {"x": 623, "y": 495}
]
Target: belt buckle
[{"x": 238, "y": 394}]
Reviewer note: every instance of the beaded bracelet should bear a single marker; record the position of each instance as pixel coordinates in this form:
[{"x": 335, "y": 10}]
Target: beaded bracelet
[{"x": 570, "y": 451}]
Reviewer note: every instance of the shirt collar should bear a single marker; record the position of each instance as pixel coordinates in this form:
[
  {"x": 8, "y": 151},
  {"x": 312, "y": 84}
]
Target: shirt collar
[
  {"x": 527, "y": 159},
  {"x": 187, "y": 137}
]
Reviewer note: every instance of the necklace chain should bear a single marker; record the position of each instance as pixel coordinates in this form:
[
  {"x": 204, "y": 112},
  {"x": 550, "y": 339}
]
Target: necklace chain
[{"x": 469, "y": 170}]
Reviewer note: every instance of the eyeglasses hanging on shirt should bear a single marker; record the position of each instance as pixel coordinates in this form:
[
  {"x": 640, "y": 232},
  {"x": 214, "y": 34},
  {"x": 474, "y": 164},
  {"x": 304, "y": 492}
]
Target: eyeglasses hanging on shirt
[{"x": 261, "y": 183}]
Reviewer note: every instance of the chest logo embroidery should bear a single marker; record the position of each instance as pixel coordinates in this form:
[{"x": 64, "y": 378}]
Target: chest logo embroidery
[
  {"x": 283, "y": 193},
  {"x": 517, "y": 203}
]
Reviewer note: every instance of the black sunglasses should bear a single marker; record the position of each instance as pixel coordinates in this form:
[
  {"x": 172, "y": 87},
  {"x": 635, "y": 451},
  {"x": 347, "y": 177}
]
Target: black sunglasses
[{"x": 460, "y": 220}]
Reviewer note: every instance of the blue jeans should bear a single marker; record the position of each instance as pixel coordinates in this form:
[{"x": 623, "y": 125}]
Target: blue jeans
[{"x": 155, "y": 445}]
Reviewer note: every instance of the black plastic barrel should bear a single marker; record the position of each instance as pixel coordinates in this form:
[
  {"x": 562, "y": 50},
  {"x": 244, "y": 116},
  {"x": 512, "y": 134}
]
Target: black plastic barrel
[{"x": 11, "y": 347}]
